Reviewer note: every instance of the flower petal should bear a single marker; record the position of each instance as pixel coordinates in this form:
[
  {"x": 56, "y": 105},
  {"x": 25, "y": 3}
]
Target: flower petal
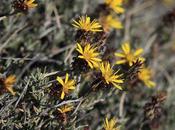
[
  {"x": 60, "y": 80},
  {"x": 62, "y": 95},
  {"x": 126, "y": 48},
  {"x": 67, "y": 78},
  {"x": 138, "y": 52},
  {"x": 117, "y": 86},
  {"x": 121, "y": 62},
  {"x": 120, "y": 55}
]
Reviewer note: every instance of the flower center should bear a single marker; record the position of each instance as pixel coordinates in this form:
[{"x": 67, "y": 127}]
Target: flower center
[
  {"x": 65, "y": 88},
  {"x": 107, "y": 76},
  {"x": 87, "y": 56},
  {"x": 130, "y": 57}
]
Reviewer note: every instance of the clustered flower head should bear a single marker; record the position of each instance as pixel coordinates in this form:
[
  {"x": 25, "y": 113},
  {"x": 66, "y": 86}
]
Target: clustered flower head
[
  {"x": 129, "y": 56},
  {"x": 85, "y": 23},
  {"x": 109, "y": 16},
  {"x": 109, "y": 76},
  {"x": 89, "y": 54},
  {"x": 109, "y": 22},
  {"x": 66, "y": 85},
  {"x": 110, "y": 124}
]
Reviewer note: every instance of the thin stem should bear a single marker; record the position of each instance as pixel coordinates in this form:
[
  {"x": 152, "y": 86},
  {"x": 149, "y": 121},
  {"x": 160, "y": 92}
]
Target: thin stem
[
  {"x": 8, "y": 14},
  {"x": 121, "y": 106}
]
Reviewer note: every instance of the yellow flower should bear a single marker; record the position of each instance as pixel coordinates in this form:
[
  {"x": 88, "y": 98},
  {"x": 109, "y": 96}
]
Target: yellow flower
[
  {"x": 109, "y": 76},
  {"x": 89, "y": 54},
  {"x": 110, "y": 125},
  {"x": 128, "y": 56},
  {"x": 116, "y": 5},
  {"x": 66, "y": 85},
  {"x": 168, "y": 2},
  {"x": 145, "y": 75},
  {"x": 109, "y": 22},
  {"x": 86, "y": 24},
  {"x": 65, "y": 109},
  {"x": 9, "y": 82},
  {"x": 30, "y": 3}
]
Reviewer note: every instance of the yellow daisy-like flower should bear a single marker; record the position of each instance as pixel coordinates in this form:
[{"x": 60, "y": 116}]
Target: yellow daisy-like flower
[
  {"x": 65, "y": 109},
  {"x": 66, "y": 85},
  {"x": 145, "y": 75},
  {"x": 109, "y": 22},
  {"x": 110, "y": 125},
  {"x": 9, "y": 82},
  {"x": 116, "y": 5},
  {"x": 109, "y": 76},
  {"x": 128, "y": 56},
  {"x": 30, "y": 3},
  {"x": 86, "y": 24},
  {"x": 89, "y": 54}
]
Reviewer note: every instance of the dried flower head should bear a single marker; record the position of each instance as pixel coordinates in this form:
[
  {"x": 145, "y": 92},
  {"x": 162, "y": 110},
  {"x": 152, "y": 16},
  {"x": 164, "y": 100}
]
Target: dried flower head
[
  {"x": 169, "y": 17},
  {"x": 109, "y": 76},
  {"x": 85, "y": 23},
  {"x": 153, "y": 110},
  {"x": 23, "y": 5},
  {"x": 145, "y": 75},
  {"x": 89, "y": 54},
  {"x": 116, "y": 5},
  {"x": 8, "y": 83},
  {"x": 108, "y": 22},
  {"x": 63, "y": 113},
  {"x": 66, "y": 85},
  {"x": 65, "y": 108},
  {"x": 110, "y": 124},
  {"x": 128, "y": 56}
]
